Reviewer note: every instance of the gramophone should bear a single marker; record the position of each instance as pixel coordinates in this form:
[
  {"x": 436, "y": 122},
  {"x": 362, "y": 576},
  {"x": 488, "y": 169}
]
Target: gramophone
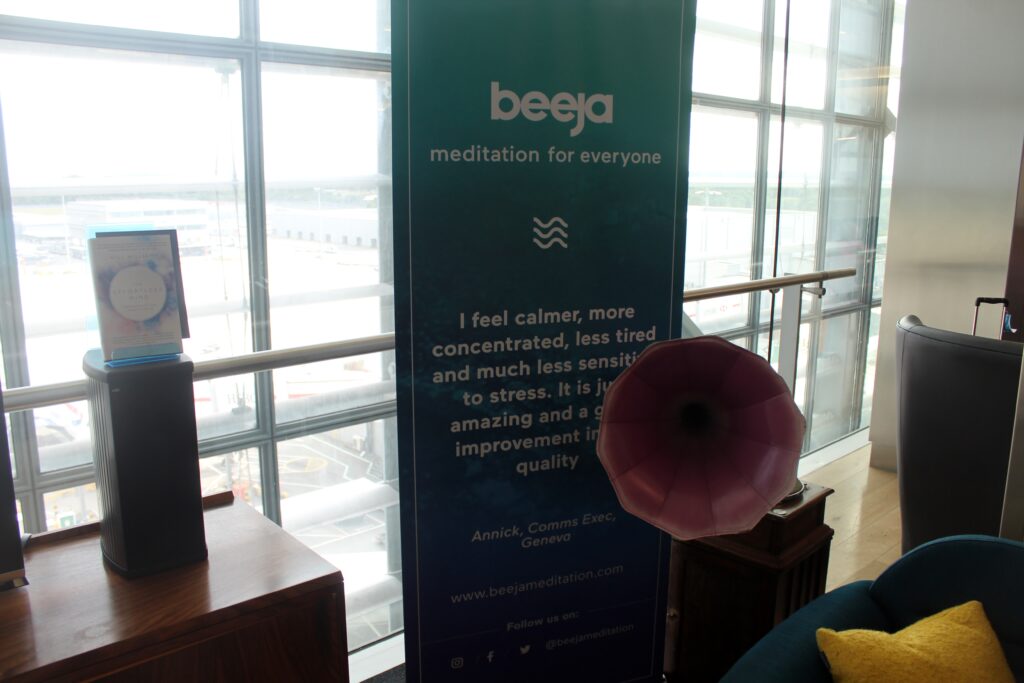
[{"x": 700, "y": 437}]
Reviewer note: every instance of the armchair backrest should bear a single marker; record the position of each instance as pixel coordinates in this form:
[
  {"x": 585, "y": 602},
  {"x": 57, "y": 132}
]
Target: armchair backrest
[{"x": 956, "y": 397}]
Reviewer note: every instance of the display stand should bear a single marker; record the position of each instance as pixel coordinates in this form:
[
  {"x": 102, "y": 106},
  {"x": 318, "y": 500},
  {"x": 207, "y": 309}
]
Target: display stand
[
  {"x": 727, "y": 592},
  {"x": 146, "y": 452}
]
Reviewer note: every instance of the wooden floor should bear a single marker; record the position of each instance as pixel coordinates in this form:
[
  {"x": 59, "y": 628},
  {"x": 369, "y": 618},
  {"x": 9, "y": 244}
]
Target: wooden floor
[{"x": 864, "y": 512}]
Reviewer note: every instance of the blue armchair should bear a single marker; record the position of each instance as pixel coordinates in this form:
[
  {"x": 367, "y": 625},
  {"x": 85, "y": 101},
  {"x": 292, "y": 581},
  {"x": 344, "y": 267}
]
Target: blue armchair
[{"x": 939, "y": 574}]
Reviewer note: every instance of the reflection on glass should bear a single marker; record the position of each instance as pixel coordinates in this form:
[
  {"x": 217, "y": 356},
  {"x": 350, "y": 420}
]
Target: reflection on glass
[
  {"x": 860, "y": 78},
  {"x": 869, "y": 367},
  {"x": 836, "y": 379},
  {"x": 807, "y": 77},
  {"x": 851, "y": 214},
  {"x": 307, "y": 391},
  {"x": 899, "y": 13},
  {"x": 363, "y": 25},
  {"x": 21, "y": 521},
  {"x": 798, "y": 220},
  {"x": 225, "y": 406},
  {"x": 720, "y": 213},
  {"x": 727, "y": 48},
  {"x": 328, "y": 203},
  {"x": 238, "y": 472},
  {"x": 884, "y": 205},
  {"x": 201, "y": 17},
  {"x": 10, "y": 453},
  {"x": 71, "y": 507},
  {"x": 123, "y": 139},
  {"x": 802, "y": 361},
  {"x": 339, "y": 496},
  {"x": 63, "y": 436}
]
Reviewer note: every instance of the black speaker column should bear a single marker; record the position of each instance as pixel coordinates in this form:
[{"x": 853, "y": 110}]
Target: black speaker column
[{"x": 146, "y": 453}]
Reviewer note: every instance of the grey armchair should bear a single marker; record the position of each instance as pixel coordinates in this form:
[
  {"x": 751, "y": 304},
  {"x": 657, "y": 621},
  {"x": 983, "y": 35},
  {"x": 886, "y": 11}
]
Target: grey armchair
[{"x": 956, "y": 397}]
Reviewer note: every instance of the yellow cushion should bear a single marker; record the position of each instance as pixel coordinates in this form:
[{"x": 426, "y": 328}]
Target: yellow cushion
[{"x": 957, "y": 644}]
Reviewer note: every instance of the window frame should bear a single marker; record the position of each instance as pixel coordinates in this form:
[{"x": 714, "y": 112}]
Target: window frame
[
  {"x": 766, "y": 171},
  {"x": 31, "y": 483}
]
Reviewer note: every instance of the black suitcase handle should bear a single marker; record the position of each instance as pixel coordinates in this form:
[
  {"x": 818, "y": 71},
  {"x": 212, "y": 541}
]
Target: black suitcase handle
[{"x": 1004, "y": 323}]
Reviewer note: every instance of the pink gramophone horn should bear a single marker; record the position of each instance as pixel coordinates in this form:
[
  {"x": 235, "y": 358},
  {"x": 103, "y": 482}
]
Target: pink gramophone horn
[{"x": 700, "y": 437}]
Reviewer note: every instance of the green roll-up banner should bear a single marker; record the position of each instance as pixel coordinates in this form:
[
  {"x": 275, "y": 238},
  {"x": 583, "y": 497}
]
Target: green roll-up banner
[{"x": 540, "y": 151}]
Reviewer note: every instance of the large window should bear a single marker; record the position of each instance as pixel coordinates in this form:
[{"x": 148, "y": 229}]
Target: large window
[
  {"x": 260, "y": 130},
  {"x": 812, "y": 106}
]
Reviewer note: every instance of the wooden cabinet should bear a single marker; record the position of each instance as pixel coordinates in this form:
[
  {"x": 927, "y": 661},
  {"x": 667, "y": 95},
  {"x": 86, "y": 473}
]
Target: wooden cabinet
[
  {"x": 262, "y": 607},
  {"x": 726, "y": 592}
]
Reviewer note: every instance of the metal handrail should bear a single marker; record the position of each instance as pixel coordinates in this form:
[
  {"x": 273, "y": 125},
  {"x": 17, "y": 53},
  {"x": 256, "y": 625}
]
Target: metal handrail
[
  {"x": 766, "y": 284},
  {"x": 26, "y": 398},
  {"x": 281, "y": 358}
]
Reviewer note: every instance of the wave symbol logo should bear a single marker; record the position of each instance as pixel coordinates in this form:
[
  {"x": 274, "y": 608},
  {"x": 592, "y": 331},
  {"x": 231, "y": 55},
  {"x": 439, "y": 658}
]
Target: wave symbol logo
[{"x": 550, "y": 232}]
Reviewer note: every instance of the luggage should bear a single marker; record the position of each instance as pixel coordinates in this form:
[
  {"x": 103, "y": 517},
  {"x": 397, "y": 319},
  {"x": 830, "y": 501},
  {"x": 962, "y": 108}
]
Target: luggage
[{"x": 1004, "y": 324}]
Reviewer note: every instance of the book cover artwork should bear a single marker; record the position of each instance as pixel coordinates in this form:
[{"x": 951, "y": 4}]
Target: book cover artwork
[{"x": 138, "y": 300}]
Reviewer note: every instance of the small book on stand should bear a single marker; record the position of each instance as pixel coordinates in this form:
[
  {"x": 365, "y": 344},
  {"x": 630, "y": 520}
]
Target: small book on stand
[{"x": 139, "y": 300}]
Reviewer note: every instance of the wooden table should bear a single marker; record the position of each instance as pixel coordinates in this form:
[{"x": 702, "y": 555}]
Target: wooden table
[
  {"x": 263, "y": 607},
  {"x": 726, "y": 592}
]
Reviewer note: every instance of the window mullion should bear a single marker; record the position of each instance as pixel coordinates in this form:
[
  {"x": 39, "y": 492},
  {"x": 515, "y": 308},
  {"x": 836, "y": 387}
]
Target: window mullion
[
  {"x": 259, "y": 292},
  {"x": 326, "y": 57},
  {"x": 810, "y": 376},
  {"x": 821, "y": 238},
  {"x": 270, "y": 481},
  {"x": 12, "y": 328},
  {"x": 832, "y": 68},
  {"x": 768, "y": 50},
  {"x": 255, "y": 194},
  {"x": 764, "y": 121},
  {"x": 15, "y": 358},
  {"x": 814, "y": 320},
  {"x": 760, "y": 228},
  {"x": 248, "y": 15},
  {"x": 65, "y": 478},
  {"x": 114, "y": 38},
  {"x": 874, "y": 201},
  {"x": 884, "y": 65},
  {"x": 824, "y": 193}
]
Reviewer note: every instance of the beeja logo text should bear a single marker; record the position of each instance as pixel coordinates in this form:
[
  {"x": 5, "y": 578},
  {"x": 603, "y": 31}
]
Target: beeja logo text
[{"x": 564, "y": 107}]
